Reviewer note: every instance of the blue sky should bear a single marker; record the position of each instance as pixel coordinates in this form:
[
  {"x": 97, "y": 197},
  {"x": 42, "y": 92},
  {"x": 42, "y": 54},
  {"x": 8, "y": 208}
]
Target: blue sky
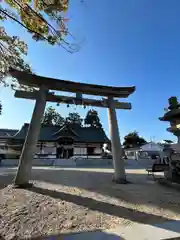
[{"x": 123, "y": 43}]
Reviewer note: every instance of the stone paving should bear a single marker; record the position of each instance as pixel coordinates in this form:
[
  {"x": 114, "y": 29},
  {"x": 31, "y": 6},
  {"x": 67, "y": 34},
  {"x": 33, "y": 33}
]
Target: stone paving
[{"x": 167, "y": 230}]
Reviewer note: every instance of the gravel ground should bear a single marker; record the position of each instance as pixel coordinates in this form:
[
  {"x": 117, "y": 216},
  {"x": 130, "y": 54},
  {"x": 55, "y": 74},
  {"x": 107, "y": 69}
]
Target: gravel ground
[{"x": 73, "y": 200}]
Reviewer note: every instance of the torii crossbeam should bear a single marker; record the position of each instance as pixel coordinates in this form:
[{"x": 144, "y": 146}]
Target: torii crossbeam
[
  {"x": 42, "y": 95},
  {"x": 73, "y": 100}
]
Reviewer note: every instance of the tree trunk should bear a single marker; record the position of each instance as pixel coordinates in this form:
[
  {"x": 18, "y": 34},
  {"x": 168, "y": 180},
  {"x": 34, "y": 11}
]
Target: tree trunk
[
  {"x": 118, "y": 162},
  {"x": 25, "y": 163}
]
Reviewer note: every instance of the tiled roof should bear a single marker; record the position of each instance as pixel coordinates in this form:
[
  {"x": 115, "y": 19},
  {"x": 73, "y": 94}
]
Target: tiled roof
[
  {"x": 79, "y": 134},
  {"x": 6, "y": 133}
]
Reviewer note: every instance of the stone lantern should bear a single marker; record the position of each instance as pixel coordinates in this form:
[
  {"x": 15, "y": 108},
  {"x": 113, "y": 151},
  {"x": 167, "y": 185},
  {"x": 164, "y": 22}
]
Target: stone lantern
[{"x": 173, "y": 117}]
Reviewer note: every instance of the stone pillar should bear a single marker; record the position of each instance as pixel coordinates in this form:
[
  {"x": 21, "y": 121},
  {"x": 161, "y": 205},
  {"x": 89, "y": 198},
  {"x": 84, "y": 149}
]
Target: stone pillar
[
  {"x": 27, "y": 155},
  {"x": 118, "y": 162}
]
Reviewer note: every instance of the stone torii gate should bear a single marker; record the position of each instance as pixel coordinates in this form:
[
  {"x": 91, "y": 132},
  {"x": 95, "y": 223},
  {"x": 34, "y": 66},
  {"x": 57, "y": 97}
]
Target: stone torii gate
[{"x": 42, "y": 95}]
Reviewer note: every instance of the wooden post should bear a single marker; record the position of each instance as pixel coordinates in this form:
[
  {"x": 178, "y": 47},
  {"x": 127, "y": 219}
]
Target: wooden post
[
  {"x": 25, "y": 163},
  {"x": 118, "y": 162}
]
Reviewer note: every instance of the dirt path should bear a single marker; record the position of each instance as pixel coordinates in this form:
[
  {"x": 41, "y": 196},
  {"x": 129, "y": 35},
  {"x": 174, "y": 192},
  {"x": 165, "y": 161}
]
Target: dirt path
[{"x": 72, "y": 200}]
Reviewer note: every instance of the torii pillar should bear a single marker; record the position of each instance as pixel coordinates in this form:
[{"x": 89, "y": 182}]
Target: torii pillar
[
  {"x": 118, "y": 162},
  {"x": 29, "y": 147}
]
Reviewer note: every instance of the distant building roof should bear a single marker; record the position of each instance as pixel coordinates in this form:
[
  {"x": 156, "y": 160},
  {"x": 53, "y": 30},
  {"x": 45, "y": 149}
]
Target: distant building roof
[
  {"x": 151, "y": 146},
  {"x": 134, "y": 148},
  {"x": 78, "y": 133},
  {"x": 6, "y": 133}
]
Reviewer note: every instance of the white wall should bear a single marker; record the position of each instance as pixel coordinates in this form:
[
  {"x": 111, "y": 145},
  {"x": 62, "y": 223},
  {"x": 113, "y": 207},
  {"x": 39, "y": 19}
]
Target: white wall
[
  {"x": 47, "y": 148},
  {"x": 131, "y": 154},
  {"x": 151, "y": 147},
  {"x": 80, "y": 151},
  {"x": 10, "y": 152},
  {"x": 98, "y": 150},
  {"x": 94, "y": 156}
]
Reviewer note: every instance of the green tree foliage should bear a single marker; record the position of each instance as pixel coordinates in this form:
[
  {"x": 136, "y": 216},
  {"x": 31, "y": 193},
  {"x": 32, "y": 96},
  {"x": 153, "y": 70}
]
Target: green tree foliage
[
  {"x": 74, "y": 118},
  {"x": 12, "y": 50},
  {"x": 43, "y": 19},
  {"x": 92, "y": 119},
  {"x": 52, "y": 117},
  {"x": 133, "y": 140}
]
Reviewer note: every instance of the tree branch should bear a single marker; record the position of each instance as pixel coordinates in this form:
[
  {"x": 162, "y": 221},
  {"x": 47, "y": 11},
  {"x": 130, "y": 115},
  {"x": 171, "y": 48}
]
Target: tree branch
[
  {"x": 24, "y": 26},
  {"x": 34, "y": 12},
  {"x": 40, "y": 17},
  {"x": 70, "y": 50}
]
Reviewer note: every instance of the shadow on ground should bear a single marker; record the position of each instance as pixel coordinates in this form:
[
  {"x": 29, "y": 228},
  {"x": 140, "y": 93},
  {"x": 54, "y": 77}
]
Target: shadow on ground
[
  {"x": 95, "y": 205},
  {"x": 140, "y": 192},
  {"x": 95, "y": 235}
]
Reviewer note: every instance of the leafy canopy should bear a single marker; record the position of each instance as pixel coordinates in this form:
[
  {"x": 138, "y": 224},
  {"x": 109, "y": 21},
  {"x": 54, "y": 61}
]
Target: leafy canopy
[
  {"x": 44, "y": 19},
  {"x": 93, "y": 119},
  {"x": 52, "y": 117},
  {"x": 133, "y": 140},
  {"x": 74, "y": 118},
  {"x": 12, "y": 50}
]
